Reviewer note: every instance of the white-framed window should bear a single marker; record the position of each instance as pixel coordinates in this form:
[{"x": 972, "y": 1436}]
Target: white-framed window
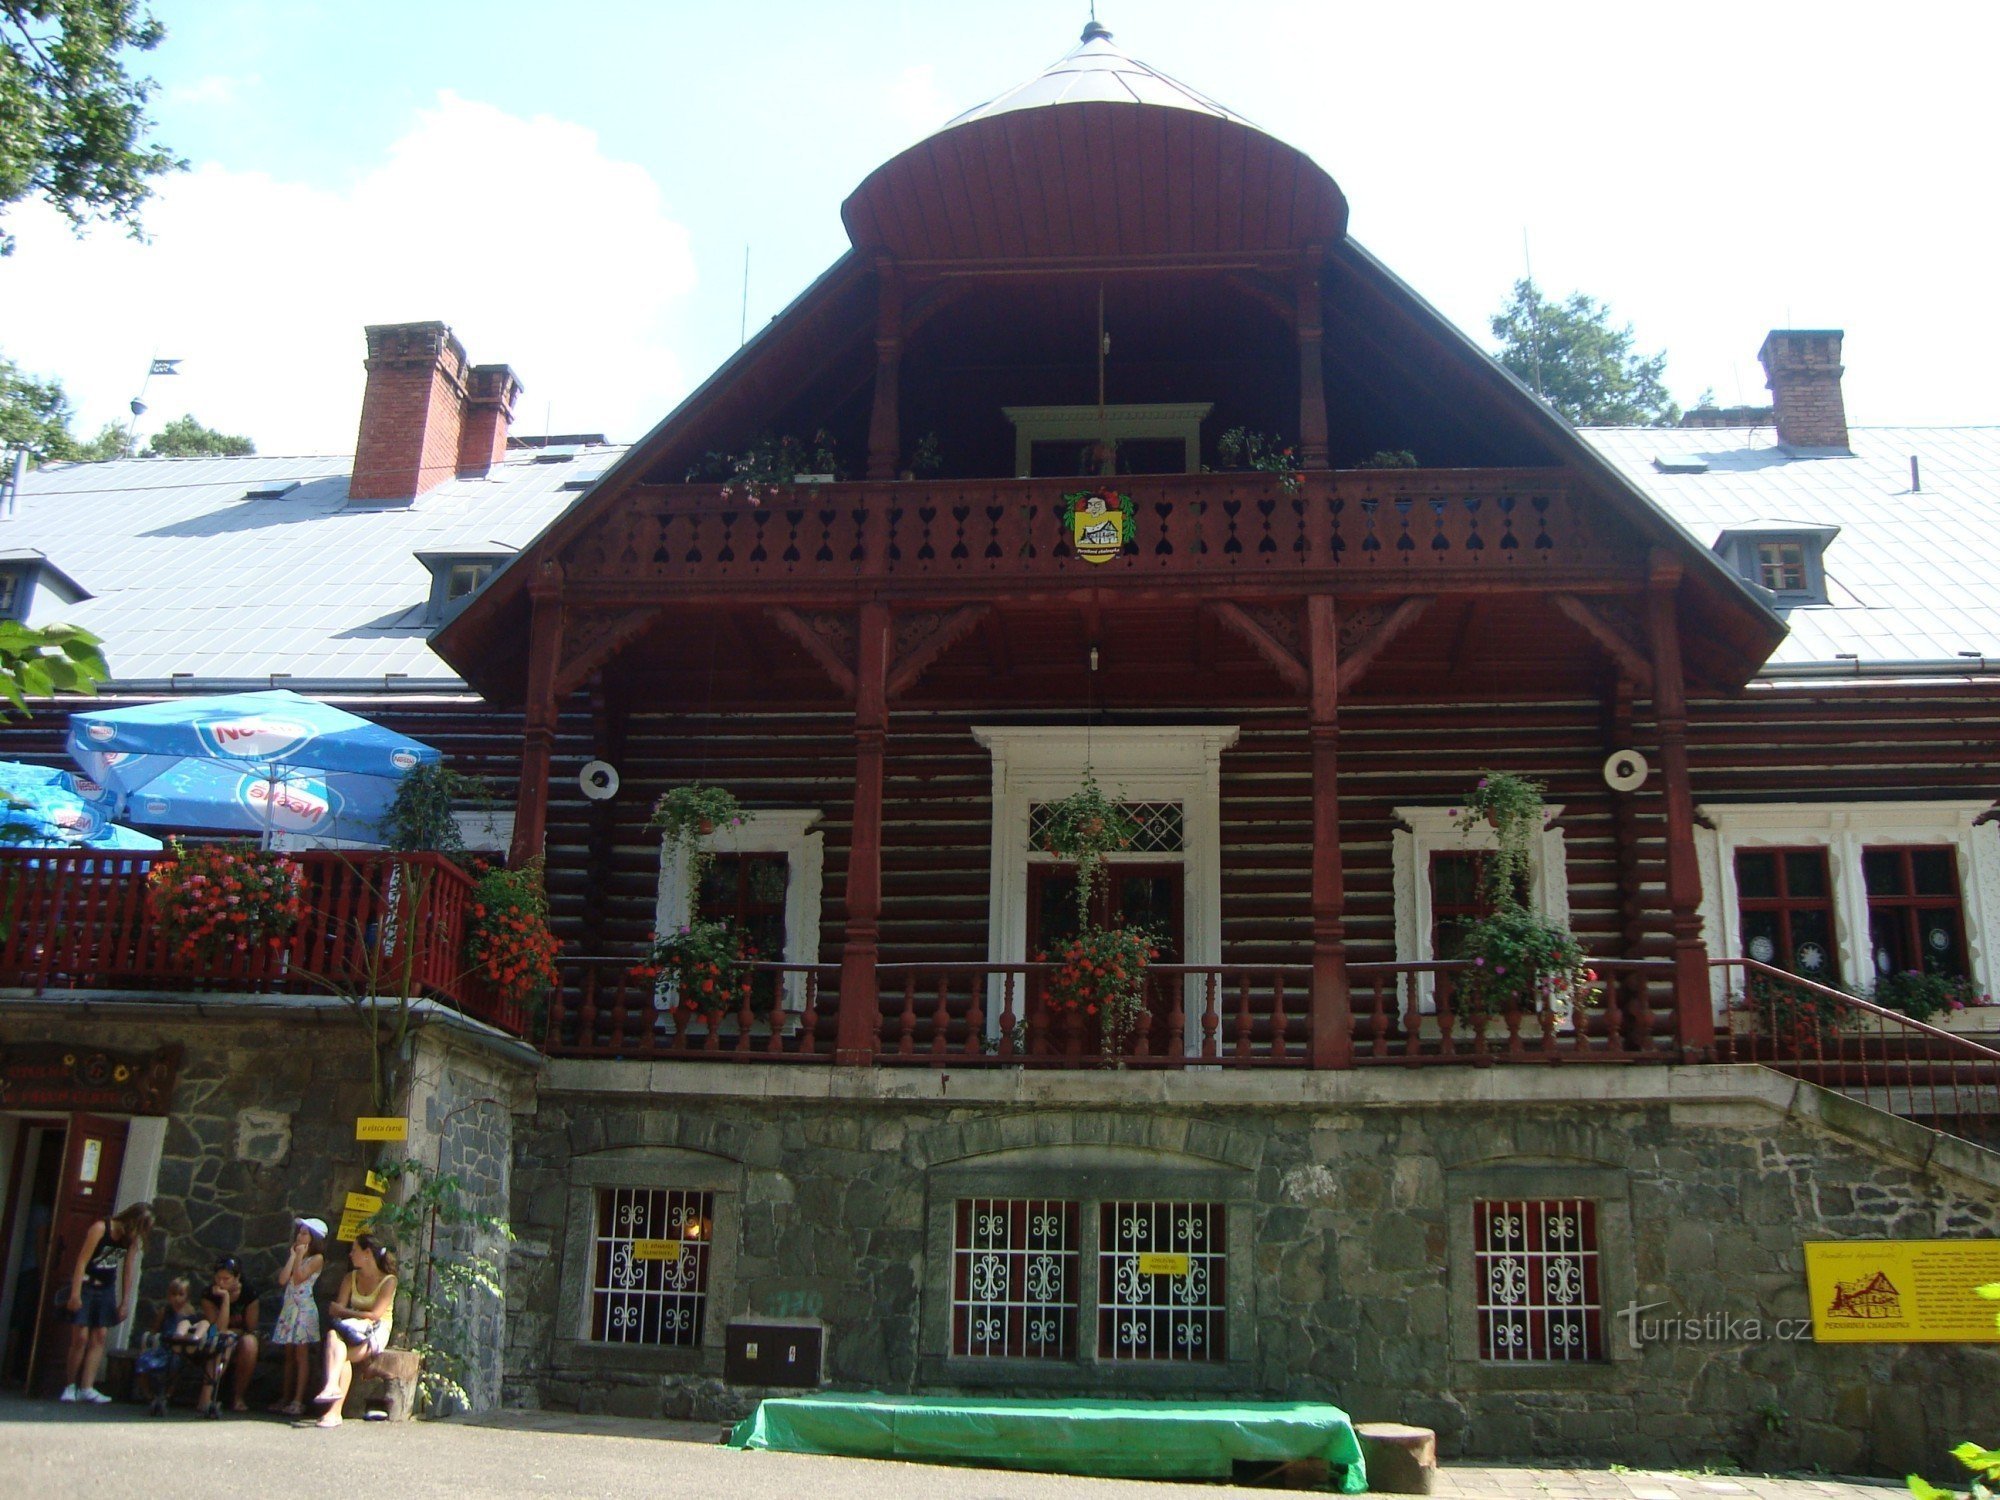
[
  {"x": 1422, "y": 881},
  {"x": 1849, "y": 833},
  {"x": 1055, "y": 440},
  {"x": 787, "y": 833},
  {"x": 1171, "y": 765},
  {"x": 649, "y": 1266}
]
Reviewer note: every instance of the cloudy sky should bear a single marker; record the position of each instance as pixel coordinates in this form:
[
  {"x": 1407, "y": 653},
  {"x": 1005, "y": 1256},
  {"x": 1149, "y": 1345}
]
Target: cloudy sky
[{"x": 573, "y": 188}]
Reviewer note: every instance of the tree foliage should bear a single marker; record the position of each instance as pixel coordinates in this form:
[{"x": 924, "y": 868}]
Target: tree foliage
[
  {"x": 1570, "y": 354},
  {"x": 34, "y": 414},
  {"x": 187, "y": 438},
  {"x": 73, "y": 126},
  {"x": 39, "y": 663}
]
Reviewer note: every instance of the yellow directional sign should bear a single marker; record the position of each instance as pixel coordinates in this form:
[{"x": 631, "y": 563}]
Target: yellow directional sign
[
  {"x": 365, "y": 1204},
  {"x": 373, "y": 1183},
  {"x": 382, "y": 1128},
  {"x": 352, "y": 1226},
  {"x": 1902, "y": 1291}
]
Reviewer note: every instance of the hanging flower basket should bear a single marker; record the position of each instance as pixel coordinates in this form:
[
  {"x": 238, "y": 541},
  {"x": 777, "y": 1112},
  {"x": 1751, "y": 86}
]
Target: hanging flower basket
[
  {"x": 1100, "y": 978},
  {"x": 1083, "y": 828},
  {"x": 214, "y": 901},
  {"x": 703, "y": 969},
  {"x": 508, "y": 943},
  {"x": 686, "y": 815}
]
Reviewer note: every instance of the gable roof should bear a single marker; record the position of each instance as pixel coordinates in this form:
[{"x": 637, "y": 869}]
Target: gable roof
[
  {"x": 189, "y": 576},
  {"x": 1911, "y": 574}
]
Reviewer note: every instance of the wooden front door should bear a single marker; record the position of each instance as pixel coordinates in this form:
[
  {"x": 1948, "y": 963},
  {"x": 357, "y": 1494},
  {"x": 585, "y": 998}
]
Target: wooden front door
[{"x": 93, "y": 1153}]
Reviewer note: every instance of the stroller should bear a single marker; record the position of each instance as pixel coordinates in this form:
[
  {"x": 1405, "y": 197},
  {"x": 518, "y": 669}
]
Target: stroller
[{"x": 165, "y": 1355}]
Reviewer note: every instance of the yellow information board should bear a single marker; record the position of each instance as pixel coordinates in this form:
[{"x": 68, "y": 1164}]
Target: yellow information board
[
  {"x": 1151, "y": 1264},
  {"x": 373, "y": 1183},
  {"x": 656, "y": 1249},
  {"x": 363, "y": 1203},
  {"x": 352, "y": 1225},
  {"x": 382, "y": 1128},
  {"x": 1902, "y": 1291}
]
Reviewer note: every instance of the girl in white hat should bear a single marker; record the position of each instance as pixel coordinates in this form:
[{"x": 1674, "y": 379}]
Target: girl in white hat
[{"x": 298, "y": 1315}]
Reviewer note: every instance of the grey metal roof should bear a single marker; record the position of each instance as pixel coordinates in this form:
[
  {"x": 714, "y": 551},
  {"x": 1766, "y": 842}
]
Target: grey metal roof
[
  {"x": 190, "y": 576},
  {"x": 1096, "y": 72},
  {"x": 1911, "y": 577}
]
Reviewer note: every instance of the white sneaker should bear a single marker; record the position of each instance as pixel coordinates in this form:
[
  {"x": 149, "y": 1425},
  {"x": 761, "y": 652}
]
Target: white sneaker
[
  {"x": 69, "y": 1393},
  {"x": 93, "y": 1395}
]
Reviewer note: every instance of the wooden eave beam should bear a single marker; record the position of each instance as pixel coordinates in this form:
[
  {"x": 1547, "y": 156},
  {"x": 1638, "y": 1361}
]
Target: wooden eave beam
[
  {"x": 906, "y": 673},
  {"x": 1355, "y": 663},
  {"x": 594, "y": 650},
  {"x": 814, "y": 645},
  {"x": 1631, "y": 660},
  {"x": 1281, "y": 657}
]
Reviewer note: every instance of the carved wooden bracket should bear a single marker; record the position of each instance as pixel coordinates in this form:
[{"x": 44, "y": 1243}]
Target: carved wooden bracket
[
  {"x": 592, "y": 638},
  {"x": 1366, "y": 633},
  {"x": 921, "y": 638},
  {"x": 827, "y": 638},
  {"x": 1275, "y": 633},
  {"x": 1617, "y": 628}
]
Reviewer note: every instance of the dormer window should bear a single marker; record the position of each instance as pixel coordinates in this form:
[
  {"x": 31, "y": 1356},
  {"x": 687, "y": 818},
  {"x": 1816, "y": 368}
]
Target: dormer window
[
  {"x": 1785, "y": 559},
  {"x": 32, "y": 587},
  {"x": 456, "y": 577},
  {"x": 465, "y": 579},
  {"x": 1781, "y": 567}
]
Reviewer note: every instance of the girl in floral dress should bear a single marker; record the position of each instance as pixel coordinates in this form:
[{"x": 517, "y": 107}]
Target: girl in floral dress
[{"x": 298, "y": 1315}]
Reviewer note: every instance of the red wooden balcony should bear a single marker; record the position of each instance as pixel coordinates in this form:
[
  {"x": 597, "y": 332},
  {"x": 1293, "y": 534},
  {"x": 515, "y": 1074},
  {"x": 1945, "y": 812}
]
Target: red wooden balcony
[
  {"x": 79, "y": 920},
  {"x": 1407, "y": 527},
  {"x": 1197, "y": 1015}
]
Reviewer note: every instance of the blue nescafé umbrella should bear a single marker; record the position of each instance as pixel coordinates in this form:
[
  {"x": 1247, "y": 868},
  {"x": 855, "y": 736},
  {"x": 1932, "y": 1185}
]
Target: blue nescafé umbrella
[
  {"x": 252, "y": 762},
  {"x": 43, "y": 807}
]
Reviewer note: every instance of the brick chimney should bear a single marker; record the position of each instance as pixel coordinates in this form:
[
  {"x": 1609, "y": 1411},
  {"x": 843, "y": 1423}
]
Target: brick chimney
[
  {"x": 1802, "y": 367},
  {"x": 490, "y": 394},
  {"x": 412, "y": 411}
]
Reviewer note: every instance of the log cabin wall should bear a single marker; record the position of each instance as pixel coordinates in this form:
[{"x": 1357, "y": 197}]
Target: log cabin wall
[{"x": 1768, "y": 744}]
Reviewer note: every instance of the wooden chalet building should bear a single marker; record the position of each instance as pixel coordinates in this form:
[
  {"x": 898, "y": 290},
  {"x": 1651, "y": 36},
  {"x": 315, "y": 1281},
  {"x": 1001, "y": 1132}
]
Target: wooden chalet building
[{"x": 1290, "y": 675}]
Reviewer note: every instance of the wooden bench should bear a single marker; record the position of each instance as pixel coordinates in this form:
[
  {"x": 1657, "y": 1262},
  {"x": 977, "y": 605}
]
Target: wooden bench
[
  {"x": 388, "y": 1379},
  {"x": 1402, "y": 1460}
]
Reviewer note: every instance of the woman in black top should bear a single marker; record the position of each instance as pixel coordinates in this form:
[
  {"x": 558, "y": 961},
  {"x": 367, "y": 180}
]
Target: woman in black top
[
  {"x": 230, "y": 1305},
  {"x": 100, "y": 1293}
]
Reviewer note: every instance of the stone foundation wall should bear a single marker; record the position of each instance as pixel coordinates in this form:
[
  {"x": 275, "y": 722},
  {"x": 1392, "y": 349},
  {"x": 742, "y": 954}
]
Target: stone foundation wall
[
  {"x": 1350, "y": 1220},
  {"x": 260, "y": 1130}
]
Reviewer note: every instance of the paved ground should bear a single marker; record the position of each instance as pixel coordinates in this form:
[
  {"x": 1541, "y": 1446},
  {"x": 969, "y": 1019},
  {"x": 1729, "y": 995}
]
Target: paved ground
[{"x": 53, "y": 1452}]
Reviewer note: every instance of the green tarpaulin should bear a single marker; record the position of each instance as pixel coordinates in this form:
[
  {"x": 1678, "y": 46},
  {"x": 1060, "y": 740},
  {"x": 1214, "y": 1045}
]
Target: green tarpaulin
[{"x": 1129, "y": 1439}]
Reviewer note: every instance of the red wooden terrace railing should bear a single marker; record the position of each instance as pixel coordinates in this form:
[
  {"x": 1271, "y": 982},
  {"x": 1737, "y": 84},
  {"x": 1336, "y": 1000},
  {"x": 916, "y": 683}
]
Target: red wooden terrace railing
[
  {"x": 79, "y": 920},
  {"x": 1197, "y": 1015},
  {"x": 1408, "y": 523},
  {"x": 1856, "y": 1047}
]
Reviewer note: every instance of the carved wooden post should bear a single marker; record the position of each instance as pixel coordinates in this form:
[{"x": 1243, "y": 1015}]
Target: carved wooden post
[
  {"x": 860, "y": 1006},
  {"x": 538, "y": 734},
  {"x": 1312, "y": 372},
  {"x": 1695, "y": 1015},
  {"x": 884, "y": 440},
  {"x": 1332, "y": 1020}
]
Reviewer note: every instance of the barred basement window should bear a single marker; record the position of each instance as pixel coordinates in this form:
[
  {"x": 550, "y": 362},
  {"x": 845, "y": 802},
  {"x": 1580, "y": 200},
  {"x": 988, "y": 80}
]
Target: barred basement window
[
  {"x": 1162, "y": 1285},
  {"x": 1537, "y": 1273},
  {"x": 649, "y": 1267},
  {"x": 1014, "y": 1278}
]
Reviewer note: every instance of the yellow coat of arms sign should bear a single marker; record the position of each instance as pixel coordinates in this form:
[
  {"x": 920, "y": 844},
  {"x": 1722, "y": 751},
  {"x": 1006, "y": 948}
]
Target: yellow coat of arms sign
[{"x": 1100, "y": 523}]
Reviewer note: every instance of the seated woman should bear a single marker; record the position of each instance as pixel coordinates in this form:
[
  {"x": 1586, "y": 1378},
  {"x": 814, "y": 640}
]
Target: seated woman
[
  {"x": 362, "y": 1313},
  {"x": 230, "y": 1305}
]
